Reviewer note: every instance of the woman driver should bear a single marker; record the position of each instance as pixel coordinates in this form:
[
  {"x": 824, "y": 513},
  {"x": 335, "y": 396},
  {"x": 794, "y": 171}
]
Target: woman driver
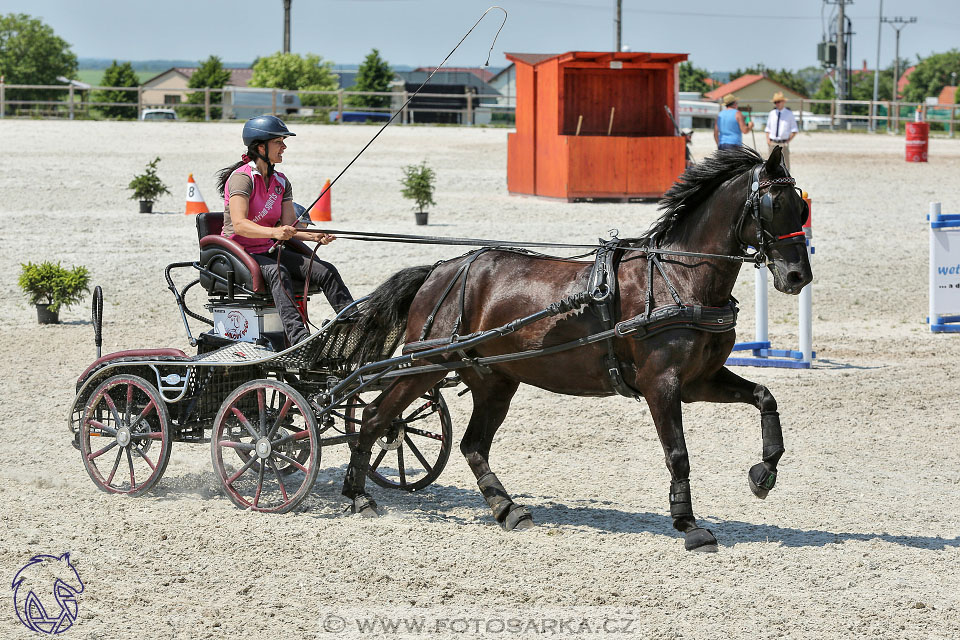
[{"x": 258, "y": 213}]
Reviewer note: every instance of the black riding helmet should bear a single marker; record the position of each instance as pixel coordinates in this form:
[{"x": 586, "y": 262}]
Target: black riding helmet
[{"x": 263, "y": 128}]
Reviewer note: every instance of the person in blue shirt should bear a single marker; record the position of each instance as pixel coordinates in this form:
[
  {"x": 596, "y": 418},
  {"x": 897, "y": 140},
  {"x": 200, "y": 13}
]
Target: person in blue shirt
[{"x": 730, "y": 127}]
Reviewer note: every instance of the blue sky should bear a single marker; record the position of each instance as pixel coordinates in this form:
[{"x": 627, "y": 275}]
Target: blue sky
[{"x": 719, "y": 36}]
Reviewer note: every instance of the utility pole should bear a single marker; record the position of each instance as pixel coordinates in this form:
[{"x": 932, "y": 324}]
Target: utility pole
[
  {"x": 617, "y": 25},
  {"x": 286, "y": 26},
  {"x": 893, "y": 22},
  {"x": 841, "y": 68},
  {"x": 876, "y": 73}
]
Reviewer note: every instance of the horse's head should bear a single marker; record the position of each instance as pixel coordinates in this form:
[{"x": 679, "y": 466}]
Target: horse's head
[{"x": 773, "y": 223}]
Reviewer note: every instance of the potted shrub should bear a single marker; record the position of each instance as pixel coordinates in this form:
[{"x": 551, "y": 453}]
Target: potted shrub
[
  {"x": 417, "y": 184},
  {"x": 147, "y": 187},
  {"x": 50, "y": 287}
]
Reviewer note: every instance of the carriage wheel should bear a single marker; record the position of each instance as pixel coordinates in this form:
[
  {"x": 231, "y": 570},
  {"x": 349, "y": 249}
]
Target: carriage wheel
[
  {"x": 415, "y": 449},
  {"x": 269, "y": 425},
  {"x": 125, "y": 435},
  {"x": 297, "y": 451}
]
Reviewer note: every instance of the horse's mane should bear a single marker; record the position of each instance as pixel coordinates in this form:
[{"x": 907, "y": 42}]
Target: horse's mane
[{"x": 694, "y": 186}]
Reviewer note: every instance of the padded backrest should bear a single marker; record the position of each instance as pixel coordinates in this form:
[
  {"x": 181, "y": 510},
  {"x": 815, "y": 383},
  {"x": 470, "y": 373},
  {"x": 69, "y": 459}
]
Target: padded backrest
[{"x": 209, "y": 224}]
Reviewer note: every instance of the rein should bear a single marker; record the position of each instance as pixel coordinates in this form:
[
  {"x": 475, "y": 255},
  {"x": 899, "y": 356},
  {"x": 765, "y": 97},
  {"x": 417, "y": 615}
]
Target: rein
[{"x": 369, "y": 236}]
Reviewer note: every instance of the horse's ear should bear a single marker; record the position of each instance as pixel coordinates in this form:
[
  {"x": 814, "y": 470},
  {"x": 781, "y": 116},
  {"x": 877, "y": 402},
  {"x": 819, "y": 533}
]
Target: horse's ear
[{"x": 773, "y": 162}]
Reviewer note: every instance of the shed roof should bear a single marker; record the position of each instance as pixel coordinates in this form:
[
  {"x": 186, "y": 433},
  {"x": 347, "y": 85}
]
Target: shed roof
[
  {"x": 597, "y": 56},
  {"x": 948, "y": 96},
  {"x": 745, "y": 81}
]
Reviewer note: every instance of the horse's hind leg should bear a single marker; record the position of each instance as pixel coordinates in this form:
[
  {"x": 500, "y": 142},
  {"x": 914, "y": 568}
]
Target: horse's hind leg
[
  {"x": 727, "y": 386},
  {"x": 377, "y": 417},
  {"x": 666, "y": 410},
  {"x": 491, "y": 401}
]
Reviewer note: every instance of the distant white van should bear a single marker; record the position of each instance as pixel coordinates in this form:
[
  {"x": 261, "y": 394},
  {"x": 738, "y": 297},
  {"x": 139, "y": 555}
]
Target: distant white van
[
  {"x": 243, "y": 103},
  {"x": 158, "y": 114}
]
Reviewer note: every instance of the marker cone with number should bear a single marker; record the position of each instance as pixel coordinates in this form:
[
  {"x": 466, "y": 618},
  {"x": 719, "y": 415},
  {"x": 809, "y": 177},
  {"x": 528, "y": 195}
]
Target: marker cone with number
[
  {"x": 321, "y": 211},
  {"x": 195, "y": 201}
]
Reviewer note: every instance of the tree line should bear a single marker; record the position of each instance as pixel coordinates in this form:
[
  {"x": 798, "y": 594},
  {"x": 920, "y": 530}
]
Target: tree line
[
  {"x": 31, "y": 53},
  {"x": 930, "y": 76}
]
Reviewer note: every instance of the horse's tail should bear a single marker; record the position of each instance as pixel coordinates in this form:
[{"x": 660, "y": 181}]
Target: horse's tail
[{"x": 384, "y": 312}]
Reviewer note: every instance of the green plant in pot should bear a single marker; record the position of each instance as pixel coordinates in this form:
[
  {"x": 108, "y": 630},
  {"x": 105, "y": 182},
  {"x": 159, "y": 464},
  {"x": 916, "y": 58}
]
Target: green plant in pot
[
  {"x": 418, "y": 180},
  {"x": 50, "y": 287},
  {"x": 147, "y": 187}
]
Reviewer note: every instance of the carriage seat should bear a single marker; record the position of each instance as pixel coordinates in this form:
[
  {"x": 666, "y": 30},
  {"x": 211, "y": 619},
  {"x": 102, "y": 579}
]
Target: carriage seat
[{"x": 226, "y": 269}]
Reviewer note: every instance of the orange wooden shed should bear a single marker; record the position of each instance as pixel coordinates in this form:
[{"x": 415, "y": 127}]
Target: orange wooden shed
[{"x": 593, "y": 125}]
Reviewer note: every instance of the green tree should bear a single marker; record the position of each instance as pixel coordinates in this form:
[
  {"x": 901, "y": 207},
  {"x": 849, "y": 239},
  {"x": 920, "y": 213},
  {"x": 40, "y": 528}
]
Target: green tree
[
  {"x": 117, "y": 75},
  {"x": 30, "y": 53},
  {"x": 932, "y": 75},
  {"x": 692, "y": 78},
  {"x": 791, "y": 80},
  {"x": 293, "y": 72},
  {"x": 210, "y": 74},
  {"x": 825, "y": 91},
  {"x": 375, "y": 75}
]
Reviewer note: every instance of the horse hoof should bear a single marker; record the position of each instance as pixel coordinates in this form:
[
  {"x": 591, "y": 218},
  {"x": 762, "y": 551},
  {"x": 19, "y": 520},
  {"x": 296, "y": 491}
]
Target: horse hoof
[
  {"x": 518, "y": 518},
  {"x": 365, "y": 506},
  {"x": 761, "y": 480},
  {"x": 700, "y": 539}
]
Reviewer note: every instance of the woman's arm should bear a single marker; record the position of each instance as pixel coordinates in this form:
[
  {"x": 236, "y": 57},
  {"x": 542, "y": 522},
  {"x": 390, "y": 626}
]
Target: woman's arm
[
  {"x": 239, "y": 206},
  {"x": 289, "y": 217}
]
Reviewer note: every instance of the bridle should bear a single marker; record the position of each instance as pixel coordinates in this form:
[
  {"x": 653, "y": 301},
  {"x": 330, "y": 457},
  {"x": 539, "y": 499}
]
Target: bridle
[{"x": 759, "y": 206}]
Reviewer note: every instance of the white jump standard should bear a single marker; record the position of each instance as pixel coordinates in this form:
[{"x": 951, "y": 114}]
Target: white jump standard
[
  {"x": 764, "y": 355},
  {"x": 944, "y": 312}
]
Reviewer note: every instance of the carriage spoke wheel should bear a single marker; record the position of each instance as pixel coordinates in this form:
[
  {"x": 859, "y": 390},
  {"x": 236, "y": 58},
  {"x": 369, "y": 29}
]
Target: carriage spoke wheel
[
  {"x": 273, "y": 431},
  {"x": 125, "y": 435},
  {"x": 413, "y": 452}
]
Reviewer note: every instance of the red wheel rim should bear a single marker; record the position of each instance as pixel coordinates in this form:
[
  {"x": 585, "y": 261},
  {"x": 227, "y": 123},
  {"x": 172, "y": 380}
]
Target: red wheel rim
[
  {"x": 125, "y": 435},
  {"x": 414, "y": 452},
  {"x": 261, "y": 427}
]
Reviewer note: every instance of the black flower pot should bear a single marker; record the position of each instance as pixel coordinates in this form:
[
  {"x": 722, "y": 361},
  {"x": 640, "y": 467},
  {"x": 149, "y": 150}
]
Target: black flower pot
[
  {"x": 45, "y": 316},
  {"x": 146, "y": 206},
  {"x": 421, "y": 217}
]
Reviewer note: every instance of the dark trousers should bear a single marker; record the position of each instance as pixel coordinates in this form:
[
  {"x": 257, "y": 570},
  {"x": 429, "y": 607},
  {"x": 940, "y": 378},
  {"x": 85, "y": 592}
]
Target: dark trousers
[{"x": 278, "y": 277}]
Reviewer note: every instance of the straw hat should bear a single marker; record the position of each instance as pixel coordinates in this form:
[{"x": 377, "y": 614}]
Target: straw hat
[
  {"x": 729, "y": 99},
  {"x": 778, "y": 96}
]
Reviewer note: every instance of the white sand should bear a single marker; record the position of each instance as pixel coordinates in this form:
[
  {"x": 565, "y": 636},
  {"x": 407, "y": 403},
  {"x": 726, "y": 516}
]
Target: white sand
[{"x": 859, "y": 539}]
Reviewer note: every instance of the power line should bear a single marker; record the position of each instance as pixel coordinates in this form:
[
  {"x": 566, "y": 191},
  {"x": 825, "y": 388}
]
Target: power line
[{"x": 685, "y": 14}]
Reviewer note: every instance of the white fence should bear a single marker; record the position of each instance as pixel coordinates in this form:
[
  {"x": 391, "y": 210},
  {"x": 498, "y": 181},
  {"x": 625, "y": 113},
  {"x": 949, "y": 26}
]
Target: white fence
[{"x": 72, "y": 102}]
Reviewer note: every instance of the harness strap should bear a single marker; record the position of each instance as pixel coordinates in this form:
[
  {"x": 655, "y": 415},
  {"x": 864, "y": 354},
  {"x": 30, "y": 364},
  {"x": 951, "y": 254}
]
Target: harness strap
[{"x": 461, "y": 272}]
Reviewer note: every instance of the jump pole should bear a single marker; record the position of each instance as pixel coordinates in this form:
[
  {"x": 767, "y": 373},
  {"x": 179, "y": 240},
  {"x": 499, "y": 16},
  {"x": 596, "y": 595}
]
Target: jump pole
[
  {"x": 944, "y": 283},
  {"x": 763, "y": 353}
]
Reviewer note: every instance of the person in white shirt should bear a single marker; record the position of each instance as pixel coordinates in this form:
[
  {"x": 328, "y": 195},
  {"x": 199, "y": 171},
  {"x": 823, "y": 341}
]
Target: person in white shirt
[{"x": 781, "y": 127}]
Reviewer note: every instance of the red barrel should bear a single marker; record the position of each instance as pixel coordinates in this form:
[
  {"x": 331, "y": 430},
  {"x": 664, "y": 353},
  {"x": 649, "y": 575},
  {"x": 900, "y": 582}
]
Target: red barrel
[{"x": 917, "y": 134}]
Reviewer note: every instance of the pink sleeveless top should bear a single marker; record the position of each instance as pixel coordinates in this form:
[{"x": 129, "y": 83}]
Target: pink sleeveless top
[{"x": 266, "y": 205}]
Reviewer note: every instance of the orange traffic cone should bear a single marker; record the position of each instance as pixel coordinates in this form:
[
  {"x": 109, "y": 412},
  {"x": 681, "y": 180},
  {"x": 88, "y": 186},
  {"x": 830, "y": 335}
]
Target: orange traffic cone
[
  {"x": 195, "y": 202},
  {"x": 321, "y": 210}
]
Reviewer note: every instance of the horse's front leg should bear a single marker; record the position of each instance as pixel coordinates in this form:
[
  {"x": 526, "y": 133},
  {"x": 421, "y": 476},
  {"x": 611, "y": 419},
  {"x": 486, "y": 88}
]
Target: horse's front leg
[
  {"x": 664, "y": 402},
  {"x": 727, "y": 386}
]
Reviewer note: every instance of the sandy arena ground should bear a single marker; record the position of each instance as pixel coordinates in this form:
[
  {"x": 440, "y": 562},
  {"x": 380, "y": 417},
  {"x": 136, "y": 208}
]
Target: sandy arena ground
[{"x": 858, "y": 540}]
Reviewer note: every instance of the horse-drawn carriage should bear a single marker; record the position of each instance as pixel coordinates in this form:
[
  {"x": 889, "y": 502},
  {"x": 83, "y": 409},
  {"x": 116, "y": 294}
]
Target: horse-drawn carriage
[
  {"x": 268, "y": 411},
  {"x": 651, "y": 318}
]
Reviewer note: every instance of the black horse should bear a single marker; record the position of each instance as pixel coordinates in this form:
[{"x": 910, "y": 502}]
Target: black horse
[{"x": 718, "y": 207}]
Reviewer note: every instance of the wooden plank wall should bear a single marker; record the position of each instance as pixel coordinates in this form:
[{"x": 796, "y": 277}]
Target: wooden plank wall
[
  {"x": 551, "y": 149},
  {"x": 521, "y": 156},
  {"x": 636, "y": 95}
]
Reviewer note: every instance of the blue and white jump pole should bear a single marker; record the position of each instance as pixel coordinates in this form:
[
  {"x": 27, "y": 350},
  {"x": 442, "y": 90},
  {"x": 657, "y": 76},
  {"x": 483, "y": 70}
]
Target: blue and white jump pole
[{"x": 944, "y": 285}]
